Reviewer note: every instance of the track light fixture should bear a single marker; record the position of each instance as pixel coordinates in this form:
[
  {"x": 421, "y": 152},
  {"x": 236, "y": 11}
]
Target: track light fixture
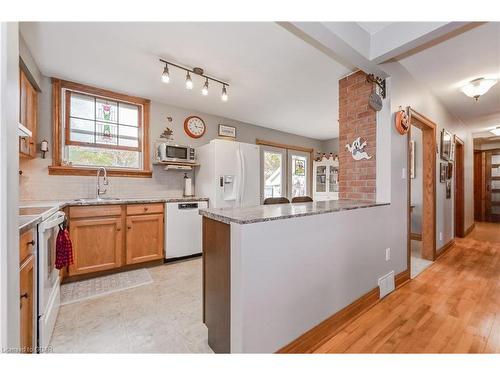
[
  {"x": 204, "y": 90},
  {"x": 165, "y": 77}
]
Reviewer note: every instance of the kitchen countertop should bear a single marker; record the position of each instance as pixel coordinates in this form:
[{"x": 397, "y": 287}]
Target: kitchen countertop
[
  {"x": 29, "y": 221},
  {"x": 257, "y": 214}
]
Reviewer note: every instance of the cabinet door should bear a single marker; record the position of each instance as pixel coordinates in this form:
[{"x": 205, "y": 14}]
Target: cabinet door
[
  {"x": 144, "y": 238},
  {"x": 97, "y": 244},
  {"x": 28, "y": 108},
  {"x": 26, "y": 305}
]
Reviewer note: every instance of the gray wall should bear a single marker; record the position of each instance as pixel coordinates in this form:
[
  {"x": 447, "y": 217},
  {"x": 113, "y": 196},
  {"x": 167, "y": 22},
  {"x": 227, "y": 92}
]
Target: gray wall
[
  {"x": 331, "y": 145},
  {"x": 417, "y": 182}
]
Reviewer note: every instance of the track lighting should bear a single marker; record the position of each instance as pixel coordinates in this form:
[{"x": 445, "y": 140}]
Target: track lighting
[
  {"x": 189, "y": 81},
  {"x": 224, "y": 96},
  {"x": 165, "y": 77},
  {"x": 204, "y": 90}
]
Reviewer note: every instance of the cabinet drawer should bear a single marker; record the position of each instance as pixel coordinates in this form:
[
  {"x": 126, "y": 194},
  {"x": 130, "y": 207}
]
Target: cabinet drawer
[
  {"x": 26, "y": 245},
  {"x": 150, "y": 208},
  {"x": 76, "y": 212}
]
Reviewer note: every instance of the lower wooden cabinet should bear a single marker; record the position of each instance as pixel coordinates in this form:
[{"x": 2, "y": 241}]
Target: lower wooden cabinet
[
  {"x": 27, "y": 304},
  {"x": 97, "y": 244},
  {"x": 144, "y": 238},
  {"x": 100, "y": 244}
]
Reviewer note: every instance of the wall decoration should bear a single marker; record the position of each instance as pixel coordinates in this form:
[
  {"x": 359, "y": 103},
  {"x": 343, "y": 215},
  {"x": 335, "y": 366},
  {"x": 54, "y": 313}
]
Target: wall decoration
[
  {"x": 443, "y": 172},
  {"x": 299, "y": 167},
  {"x": 452, "y": 149},
  {"x": 194, "y": 126},
  {"x": 402, "y": 122},
  {"x": 227, "y": 131},
  {"x": 357, "y": 150},
  {"x": 168, "y": 134},
  {"x": 450, "y": 171},
  {"x": 412, "y": 159},
  {"x": 445, "y": 145},
  {"x": 448, "y": 189}
]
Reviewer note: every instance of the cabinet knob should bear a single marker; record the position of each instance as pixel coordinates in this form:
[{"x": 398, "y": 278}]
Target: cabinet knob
[
  {"x": 32, "y": 243},
  {"x": 146, "y": 208},
  {"x": 118, "y": 229},
  {"x": 129, "y": 227},
  {"x": 25, "y": 295}
]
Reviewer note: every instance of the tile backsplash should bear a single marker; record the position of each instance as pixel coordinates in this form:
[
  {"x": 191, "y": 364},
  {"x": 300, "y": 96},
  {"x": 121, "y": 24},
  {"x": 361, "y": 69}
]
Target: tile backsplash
[{"x": 35, "y": 183}]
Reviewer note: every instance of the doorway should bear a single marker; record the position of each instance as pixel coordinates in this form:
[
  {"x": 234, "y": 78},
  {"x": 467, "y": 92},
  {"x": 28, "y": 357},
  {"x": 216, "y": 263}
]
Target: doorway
[
  {"x": 285, "y": 170},
  {"x": 421, "y": 163},
  {"x": 459, "y": 188},
  {"x": 487, "y": 185}
]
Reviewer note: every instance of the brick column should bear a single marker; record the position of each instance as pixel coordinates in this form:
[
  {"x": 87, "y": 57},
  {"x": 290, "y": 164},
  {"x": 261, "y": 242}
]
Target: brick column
[{"x": 357, "y": 178}]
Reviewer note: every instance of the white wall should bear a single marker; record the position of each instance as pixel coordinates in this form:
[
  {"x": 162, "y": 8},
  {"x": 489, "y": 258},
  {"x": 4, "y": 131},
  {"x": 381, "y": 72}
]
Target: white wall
[
  {"x": 405, "y": 91},
  {"x": 9, "y": 230},
  {"x": 36, "y": 184}
]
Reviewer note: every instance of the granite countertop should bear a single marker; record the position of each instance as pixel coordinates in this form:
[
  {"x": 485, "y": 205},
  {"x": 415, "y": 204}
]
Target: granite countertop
[
  {"x": 28, "y": 221},
  {"x": 257, "y": 214}
]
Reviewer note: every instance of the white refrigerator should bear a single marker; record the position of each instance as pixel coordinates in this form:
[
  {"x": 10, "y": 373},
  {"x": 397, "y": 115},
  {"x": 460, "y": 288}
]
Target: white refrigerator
[{"x": 229, "y": 173}]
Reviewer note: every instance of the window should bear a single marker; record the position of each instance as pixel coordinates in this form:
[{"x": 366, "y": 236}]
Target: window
[{"x": 99, "y": 128}]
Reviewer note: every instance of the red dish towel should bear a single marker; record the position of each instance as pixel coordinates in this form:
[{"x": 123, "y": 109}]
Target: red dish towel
[{"x": 64, "y": 249}]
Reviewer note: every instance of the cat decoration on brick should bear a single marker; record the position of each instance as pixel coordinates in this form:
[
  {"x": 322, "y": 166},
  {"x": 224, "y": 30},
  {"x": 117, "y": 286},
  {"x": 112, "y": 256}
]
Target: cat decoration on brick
[{"x": 357, "y": 150}]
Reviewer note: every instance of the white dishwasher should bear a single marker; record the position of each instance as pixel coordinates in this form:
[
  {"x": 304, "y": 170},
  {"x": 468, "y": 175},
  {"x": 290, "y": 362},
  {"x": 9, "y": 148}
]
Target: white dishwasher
[{"x": 183, "y": 229}]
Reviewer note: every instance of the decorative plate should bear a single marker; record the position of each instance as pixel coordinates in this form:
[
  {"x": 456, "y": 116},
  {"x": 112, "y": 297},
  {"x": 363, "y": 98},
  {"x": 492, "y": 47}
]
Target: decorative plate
[{"x": 402, "y": 122}]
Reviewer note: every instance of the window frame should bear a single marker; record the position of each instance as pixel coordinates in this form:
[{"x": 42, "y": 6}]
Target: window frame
[{"x": 60, "y": 130}]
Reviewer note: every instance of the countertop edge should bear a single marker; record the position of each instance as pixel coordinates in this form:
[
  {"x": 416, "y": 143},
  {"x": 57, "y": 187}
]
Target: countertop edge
[{"x": 228, "y": 220}]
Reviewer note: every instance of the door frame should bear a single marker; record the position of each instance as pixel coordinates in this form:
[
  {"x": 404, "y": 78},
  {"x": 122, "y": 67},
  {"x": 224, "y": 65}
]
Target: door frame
[
  {"x": 459, "y": 199},
  {"x": 429, "y": 149},
  {"x": 284, "y": 162}
]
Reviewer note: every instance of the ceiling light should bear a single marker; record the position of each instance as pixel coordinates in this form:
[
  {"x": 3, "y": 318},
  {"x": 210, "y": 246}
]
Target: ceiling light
[
  {"x": 495, "y": 131},
  {"x": 478, "y": 87},
  {"x": 224, "y": 96},
  {"x": 189, "y": 81},
  {"x": 165, "y": 77},
  {"x": 204, "y": 90}
]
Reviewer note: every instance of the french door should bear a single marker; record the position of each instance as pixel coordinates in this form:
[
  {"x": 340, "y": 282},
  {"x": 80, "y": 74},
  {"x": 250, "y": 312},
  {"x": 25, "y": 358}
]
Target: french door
[
  {"x": 284, "y": 172},
  {"x": 492, "y": 196}
]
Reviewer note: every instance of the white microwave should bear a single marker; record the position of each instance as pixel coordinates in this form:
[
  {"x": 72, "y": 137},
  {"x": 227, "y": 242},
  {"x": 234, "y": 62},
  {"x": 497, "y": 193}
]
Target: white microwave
[{"x": 176, "y": 153}]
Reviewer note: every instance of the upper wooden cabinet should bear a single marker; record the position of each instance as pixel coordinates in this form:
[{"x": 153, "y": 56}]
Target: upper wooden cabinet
[
  {"x": 97, "y": 244},
  {"x": 144, "y": 238},
  {"x": 28, "y": 108}
]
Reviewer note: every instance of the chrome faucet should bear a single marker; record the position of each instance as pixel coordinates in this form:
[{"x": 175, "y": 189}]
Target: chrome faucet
[{"x": 100, "y": 190}]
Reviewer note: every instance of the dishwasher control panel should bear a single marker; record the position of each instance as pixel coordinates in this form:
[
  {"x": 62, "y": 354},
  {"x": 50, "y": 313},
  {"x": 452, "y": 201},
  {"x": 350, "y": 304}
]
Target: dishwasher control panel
[{"x": 187, "y": 206}]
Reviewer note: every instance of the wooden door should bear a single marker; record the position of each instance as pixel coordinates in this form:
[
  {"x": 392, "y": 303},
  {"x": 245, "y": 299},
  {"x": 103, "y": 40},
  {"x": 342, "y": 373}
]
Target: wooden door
[
  {"x": 97, "y": 244},
  {"x": 459, "y": 188},
  {"x": 492, "y": 196},
  {"x": 144, "y": 238},
  {"x": 26, "y": 304}
]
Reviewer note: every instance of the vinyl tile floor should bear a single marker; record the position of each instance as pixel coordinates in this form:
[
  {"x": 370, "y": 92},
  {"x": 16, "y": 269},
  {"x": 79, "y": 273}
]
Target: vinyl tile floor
[{"x": 162, "y": 317}]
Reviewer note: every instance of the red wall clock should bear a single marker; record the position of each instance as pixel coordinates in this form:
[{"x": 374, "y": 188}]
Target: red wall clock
[{"x": 194, "y": 126}]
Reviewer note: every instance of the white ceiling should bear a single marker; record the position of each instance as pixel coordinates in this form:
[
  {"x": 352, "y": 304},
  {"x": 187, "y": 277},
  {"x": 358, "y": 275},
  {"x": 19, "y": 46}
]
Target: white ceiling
[
  {"x": 447, "y": 66},
  {"x": 276, "y": 79},
  {"x": 373, "y": 27}
]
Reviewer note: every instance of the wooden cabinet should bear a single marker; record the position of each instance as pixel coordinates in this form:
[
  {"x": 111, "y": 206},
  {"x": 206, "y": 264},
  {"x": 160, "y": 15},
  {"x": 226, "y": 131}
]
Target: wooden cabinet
[
  {"x": 28, "y": 108},
  {"x": 144, "y": 238},
  {"x": 27, "y": 291},
  {"x": 100, "y": 244},
  {"x": 97, "y": 244}
]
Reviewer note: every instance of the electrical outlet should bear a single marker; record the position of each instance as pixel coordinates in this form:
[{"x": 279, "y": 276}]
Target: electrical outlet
[
  {"x": 403, "y": 174},
  {"x": 440, "y": 236},
  {"x": 386, "y": 284},
  {"x": 388, "y": 254}
]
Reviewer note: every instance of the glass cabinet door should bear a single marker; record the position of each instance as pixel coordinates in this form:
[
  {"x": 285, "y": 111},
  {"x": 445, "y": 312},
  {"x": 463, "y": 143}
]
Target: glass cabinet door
[
  {"x": 333, "y": 179},
  {"x": 320, "y": 179}
]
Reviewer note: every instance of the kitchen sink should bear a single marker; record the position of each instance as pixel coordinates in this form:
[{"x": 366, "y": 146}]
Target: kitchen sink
[{"x": 93, "y": 200}]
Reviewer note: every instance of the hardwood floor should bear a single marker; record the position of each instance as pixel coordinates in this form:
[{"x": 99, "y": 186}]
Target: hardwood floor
[{"x": 451, "y": 307}]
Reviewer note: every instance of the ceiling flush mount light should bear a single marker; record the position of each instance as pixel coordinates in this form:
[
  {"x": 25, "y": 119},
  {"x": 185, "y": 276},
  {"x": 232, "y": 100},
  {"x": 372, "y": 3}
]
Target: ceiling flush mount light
[
  {"x": 495, "y": 131},
  {"x": 478, "y": 87},
  {"x": 204, "y": 90},
  {"x": 165, "y": 77}
]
